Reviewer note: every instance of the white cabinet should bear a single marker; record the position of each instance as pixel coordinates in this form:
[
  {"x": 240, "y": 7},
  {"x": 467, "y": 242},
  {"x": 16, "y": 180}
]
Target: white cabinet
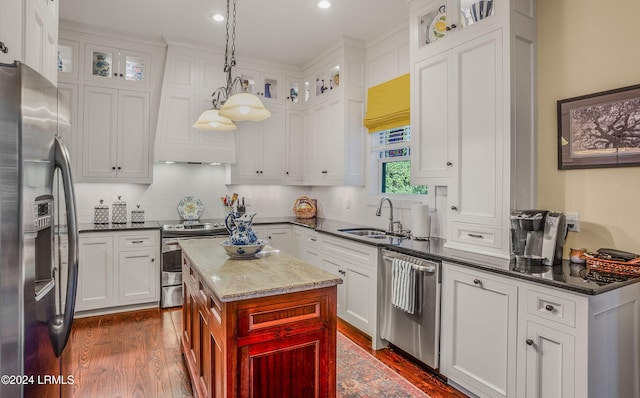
[
  {"x": 68, "y": 108},
  {"x": 470, "y": 77},
  {"x": 267, "y": 86},
  {"x": 118, "y": 269},
  {"x": 190, "y": 78},
  {"x": 357, "y": 265},
  {"x": 507, "y": 337},
  {"x": 41, "y": 37},
  {"x": 29, "y": 33},
  {"x": 117, "y": 66},
  {"x": 306, "y": 245},
  {"x": 278, "y": 236},
  {"x": 259, "y": 158},
  {"x": 571, "y": 345},
  {"x": 433, "y": 139},
  {"x": 95, "y": 272},
  {"x": 478, "y": 335},
  {"x": 10, "y": 31},
  {"x": 115, "y": 139},
  {"x": 116, "y": 115},
  {"x": 334, "y": 136},
  {"x": 293, "y": 146}
]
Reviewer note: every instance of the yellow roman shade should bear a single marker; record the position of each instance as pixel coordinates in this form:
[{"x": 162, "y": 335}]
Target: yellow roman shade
[{"x": 388, "y": 105}]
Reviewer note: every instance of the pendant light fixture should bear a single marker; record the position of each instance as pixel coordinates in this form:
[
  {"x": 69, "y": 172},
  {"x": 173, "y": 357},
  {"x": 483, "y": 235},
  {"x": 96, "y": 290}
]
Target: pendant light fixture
[{"x": 227, "y": 105}]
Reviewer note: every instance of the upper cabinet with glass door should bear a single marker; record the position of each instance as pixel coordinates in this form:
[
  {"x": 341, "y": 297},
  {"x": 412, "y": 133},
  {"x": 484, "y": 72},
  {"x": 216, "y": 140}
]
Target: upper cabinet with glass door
[
  {"x": 269, "y": 87},
  {"x": 115, "y": 66},
  {"x": 435, "y": 23}
]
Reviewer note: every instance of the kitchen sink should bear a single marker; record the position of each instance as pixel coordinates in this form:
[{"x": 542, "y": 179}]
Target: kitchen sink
[
  {"x": 368, "y": 232},
  {"x": 372, "y": 233}
]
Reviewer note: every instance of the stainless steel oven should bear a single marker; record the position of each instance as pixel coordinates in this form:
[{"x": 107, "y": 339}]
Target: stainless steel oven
[
  {"x": 172, "y": 233},
  {"x": 415, "y": 331}
]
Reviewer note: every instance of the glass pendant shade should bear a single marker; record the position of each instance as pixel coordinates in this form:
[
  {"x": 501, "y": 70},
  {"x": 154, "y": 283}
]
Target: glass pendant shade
[
  {"x": 211, "y": 121},
  {"x": 244, "y": 106}
]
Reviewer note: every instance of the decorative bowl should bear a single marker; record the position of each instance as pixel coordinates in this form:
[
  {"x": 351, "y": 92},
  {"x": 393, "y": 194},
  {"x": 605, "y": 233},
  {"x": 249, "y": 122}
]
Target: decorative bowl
[{"x": 243, "y": 251}]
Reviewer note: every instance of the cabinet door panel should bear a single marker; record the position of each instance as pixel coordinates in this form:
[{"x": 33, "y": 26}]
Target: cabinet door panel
[
  {"x": 480, "y": 101},
  {"x": 133, "y": 134},
  {"x": 272, "y": 146},
  {"x": 479, "y": 331},
  {"x": 95, "y": 273},
  {"x": 11, "y": 30},
  {"x": 433, "y": 130},
  {"x": 357, "y": 300},
  {"x": 99, "y": 135},
  {"x": 549, "y": 362},
  {"x": 293, "y": 145},
  {"x": 138, "y": 276}
]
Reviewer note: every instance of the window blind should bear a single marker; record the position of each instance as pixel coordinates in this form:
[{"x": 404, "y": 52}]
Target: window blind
[{"x": 388, "y": 105}]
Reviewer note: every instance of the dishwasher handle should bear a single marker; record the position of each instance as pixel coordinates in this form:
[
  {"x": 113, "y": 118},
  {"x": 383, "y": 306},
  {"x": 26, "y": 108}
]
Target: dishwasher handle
[{"x": 419, "y": 264}]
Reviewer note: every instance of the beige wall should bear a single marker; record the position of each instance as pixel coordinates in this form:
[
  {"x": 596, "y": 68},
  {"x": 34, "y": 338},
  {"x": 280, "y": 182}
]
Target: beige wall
[{"x": 587, "y": 46}]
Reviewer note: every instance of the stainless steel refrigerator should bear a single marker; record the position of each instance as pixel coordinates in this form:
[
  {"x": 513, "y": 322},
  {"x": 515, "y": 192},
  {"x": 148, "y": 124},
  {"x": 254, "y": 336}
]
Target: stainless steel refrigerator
[{"x": 38, "y": 236}]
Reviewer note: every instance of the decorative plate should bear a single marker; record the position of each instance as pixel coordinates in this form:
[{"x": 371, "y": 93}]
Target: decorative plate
[
  {"x": 438, "y": 26},
  {"x": 190, "y": 208}
]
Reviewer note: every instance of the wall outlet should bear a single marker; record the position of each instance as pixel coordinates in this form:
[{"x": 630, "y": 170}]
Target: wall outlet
[{"x": 573, "y": 221}]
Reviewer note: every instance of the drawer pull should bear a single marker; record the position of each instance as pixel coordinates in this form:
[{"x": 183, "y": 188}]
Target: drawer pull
[
  {"x": 548, "y": 307},
  {"x": 137, "y": 241},
  {"x": 475, "y": 236},
  {"x": 529, "y": 342},
  {"x": 477, "y": 282}
]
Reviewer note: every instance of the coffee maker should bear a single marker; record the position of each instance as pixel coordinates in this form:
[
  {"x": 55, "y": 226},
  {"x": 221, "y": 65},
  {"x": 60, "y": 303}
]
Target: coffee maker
[{"x": 537, "y": 237}]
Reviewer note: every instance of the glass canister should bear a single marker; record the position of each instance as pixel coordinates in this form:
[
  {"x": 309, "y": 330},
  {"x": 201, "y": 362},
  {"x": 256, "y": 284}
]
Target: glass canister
[
  {"x": 119, "y": 211},
  {"x": 101, "y": 213},
  {"x": 137, "y": 215}
]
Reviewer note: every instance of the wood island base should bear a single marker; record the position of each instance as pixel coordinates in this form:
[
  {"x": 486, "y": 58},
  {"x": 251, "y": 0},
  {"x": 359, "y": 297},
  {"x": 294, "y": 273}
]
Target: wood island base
[{"x": 276, "y": 346}]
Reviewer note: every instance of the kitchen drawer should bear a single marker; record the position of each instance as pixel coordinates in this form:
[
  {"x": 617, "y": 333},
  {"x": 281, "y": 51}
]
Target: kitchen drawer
[
  {"x": 551, "y": 307},
  {"x": 479, "y": 235},
  {"x": 361, "y": 254},
  {"x": 137, "y": 240}
]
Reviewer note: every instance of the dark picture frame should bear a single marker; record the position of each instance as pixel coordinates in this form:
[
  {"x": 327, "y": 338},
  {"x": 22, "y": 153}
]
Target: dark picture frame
[{"x": 600, "y": 129}]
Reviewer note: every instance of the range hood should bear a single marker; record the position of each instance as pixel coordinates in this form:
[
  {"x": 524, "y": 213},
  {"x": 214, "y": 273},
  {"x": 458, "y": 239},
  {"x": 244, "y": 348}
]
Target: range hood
[{"x": 186, "y": 92}]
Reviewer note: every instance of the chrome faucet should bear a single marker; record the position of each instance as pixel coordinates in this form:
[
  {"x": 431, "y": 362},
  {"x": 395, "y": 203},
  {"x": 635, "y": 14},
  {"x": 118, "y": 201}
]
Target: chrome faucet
[{"x": 379, "y": 211}]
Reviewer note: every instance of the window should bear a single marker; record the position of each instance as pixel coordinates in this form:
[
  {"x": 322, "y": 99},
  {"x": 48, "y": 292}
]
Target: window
[{"x": 391, "y": 149}]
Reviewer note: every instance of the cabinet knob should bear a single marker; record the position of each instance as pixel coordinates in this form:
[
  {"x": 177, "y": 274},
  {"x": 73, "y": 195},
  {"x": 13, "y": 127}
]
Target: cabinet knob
[
  {"x": 113, "y": 167},
  {"x": 3, "y": 48},
  {"x": 449, "y": 164},
  {"x": 341, "y": 272},
  {"x": 286, "y": 172},
  {"x": 529, "y": 342},
  {"x": 257, "y": 171},
  {"x": 153, "y": 260},
  {"x": 119, "y": 168},
  {"x": 454, "y": 208},
  {"x": 477, "y": 282},
  {"x": 548, "y": 307},
  {"x": 121, "y": 75}
]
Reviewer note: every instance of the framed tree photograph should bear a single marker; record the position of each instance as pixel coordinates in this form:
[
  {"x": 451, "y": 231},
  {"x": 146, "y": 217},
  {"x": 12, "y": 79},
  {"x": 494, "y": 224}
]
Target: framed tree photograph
[{"x": 600, "y": 130}]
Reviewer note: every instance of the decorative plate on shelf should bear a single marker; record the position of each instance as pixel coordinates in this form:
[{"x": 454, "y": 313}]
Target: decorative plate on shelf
[
  {"x": 438, "y": 27},
  {"x": 190, "y": 208}
]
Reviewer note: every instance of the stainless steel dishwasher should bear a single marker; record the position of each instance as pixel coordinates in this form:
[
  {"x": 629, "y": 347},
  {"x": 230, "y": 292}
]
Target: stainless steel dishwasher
[{"x": 417, "y": 334}]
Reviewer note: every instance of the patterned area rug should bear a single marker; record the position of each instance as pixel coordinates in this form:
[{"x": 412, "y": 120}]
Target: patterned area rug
[{"x": 361, "y": 375}]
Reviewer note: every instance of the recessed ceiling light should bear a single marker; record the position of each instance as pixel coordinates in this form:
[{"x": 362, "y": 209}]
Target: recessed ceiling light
[
  {"x": 217, "y": 17},
  {"x": 324, "y": 4}
]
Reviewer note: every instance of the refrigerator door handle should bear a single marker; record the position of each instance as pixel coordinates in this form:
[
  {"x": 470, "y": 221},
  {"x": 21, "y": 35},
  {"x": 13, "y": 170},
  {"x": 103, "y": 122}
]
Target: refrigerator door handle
[{"x": 61, "y": 327}]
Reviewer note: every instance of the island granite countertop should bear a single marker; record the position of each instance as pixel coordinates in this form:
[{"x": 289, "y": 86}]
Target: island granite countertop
[{"x": 270, "y": 273}]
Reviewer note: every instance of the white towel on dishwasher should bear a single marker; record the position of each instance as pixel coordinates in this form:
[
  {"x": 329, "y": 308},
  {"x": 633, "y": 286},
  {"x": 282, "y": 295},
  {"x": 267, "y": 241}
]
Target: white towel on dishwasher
[{"x": 403, "y": 285}]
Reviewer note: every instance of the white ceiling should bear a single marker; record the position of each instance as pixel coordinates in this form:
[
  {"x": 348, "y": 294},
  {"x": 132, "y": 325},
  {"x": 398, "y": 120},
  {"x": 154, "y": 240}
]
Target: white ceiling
[{"x": 283, "y": 31}]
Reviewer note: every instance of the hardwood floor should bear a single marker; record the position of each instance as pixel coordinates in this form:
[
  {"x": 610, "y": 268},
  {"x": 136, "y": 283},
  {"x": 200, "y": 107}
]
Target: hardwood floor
[{"x": 137, "y": 354}]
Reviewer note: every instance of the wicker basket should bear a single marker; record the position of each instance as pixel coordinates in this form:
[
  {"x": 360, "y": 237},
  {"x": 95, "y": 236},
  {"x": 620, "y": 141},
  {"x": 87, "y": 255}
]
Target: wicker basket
[
  {"x": 613, "y": 267},
  {"x": 305, "y": 207}
]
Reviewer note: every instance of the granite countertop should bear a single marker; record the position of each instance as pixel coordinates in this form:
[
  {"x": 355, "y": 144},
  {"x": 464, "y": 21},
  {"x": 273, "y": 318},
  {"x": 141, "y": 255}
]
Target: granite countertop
[
  {"x": 272, "y": 272},
  {"x": 567, "y": 276},
  {"x": 90, "y": 227}
]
